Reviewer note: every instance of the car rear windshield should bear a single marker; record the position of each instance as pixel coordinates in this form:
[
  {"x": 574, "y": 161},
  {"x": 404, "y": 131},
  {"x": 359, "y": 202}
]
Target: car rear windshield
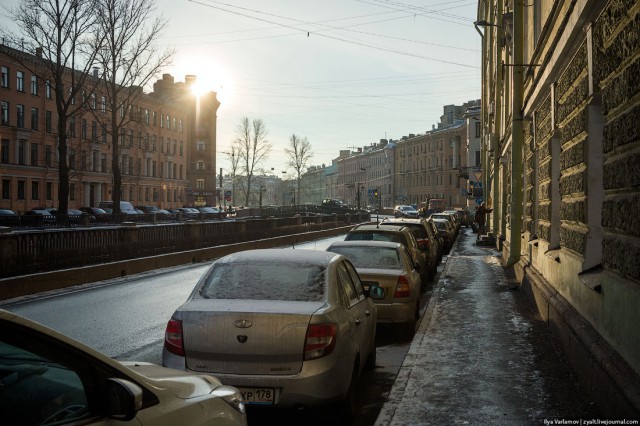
[
  {"x": 392, "y": 237},
  {"x": 287, "y": 281},
  {"x": 371, "y": 257}
]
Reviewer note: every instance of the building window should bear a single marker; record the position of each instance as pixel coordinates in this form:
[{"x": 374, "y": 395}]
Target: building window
[
  {"x": 47, "y": 155},
  {"x": 72, "y": 159},
  {"x": 161, "y": 120},
  {"x": 5, "y": 77},
  {"x": 168, "y": 123},
  {"x": 34, "y": 118},
  {"x": 93, "y": 101},
  {"x": 83, "y": 128},
  {"x": 180, "y": 126},
  {"x": 200, "y": 165},
  {"x": 35, "y": 190},
  {"x": 21, "y": 190},
  {"x": 6, "y": 189},
  {"x": 20, "y": 116},
  {"x": 104, "y": 163},
  {"x": 200, "y": 183},
  {"x": 49, "y": 190},
  {"x": 48, "y": 127},
  {"x": 34, "y": 154},
  {"x": 94, "y": 131},
  {"x": 477, "y": 162},
  {"x": 72, "y": 191},
  {"x": 5, "y": 113},
  {"x": 47, "y": 89},
  {"x": 34, "y": 85},
  {"x": 181, "y": 148},
  {"x": 20, "y": 81},
  {"x": 21, "y": 152},
  {"x": 72, "y": 127},
  {"x": 4, "y": 151},
  {"x": 103, "y": 102},
  {"x": 200, "y": 146},
  {"x": 104, "y": 134},
  {"x": 146, "y": 116},
  {"x": 477, "y": 129},
  {"x": 154, "y": 118},
  {"x": 146, "y": 194}
]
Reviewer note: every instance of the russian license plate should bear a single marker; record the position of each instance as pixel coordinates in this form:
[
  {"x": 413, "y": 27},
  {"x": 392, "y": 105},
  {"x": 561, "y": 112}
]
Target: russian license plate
[{"x": 258, "y": 396}]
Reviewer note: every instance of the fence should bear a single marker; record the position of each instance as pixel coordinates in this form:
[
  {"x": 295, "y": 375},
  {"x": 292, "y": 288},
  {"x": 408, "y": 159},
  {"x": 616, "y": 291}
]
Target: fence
[{"x": 28, "y": 252}]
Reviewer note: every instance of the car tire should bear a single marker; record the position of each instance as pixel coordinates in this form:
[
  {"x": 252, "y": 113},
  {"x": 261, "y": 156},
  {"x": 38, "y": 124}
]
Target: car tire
[
  {"x": 371, "y": 361},
  {"x": 346, "y": 409}
]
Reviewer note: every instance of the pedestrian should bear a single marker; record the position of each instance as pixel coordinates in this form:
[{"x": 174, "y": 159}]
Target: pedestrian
[{"x": 480, "y": 218}]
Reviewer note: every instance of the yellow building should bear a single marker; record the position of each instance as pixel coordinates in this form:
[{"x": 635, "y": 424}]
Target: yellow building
[{"x": 561, "y": 145}]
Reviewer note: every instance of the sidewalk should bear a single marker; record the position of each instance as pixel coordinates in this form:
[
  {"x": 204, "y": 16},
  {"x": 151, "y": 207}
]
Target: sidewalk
[{"x": 481, "y": 355}]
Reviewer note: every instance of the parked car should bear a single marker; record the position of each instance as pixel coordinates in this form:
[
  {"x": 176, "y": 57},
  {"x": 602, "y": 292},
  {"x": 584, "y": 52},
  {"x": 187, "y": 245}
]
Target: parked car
[
  {"x": 50, "y": 379},
  {"x": 101, "y": 215},
  {"x": 9, "y": 218},
  {"x": 125, "y": 207},
  {"x": 394, "y": 233},
  {"x": 405, "y": 211},
  {"x": 211, "y": 212},
  {"x": 388, "y": 265},
  {"x": 446, "y": 231},
  {"x": 38, "y": 217},
  {"x": 425, "y": 238},
  {"x": 189, "y": 212},
  {"x": 289, "y": 328}
]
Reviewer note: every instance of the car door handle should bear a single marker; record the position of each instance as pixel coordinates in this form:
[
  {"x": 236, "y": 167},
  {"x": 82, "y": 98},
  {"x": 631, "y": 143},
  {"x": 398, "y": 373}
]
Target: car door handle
[
  {"x": 367, "y": 313},
  {"x": 358, "y": 322}
]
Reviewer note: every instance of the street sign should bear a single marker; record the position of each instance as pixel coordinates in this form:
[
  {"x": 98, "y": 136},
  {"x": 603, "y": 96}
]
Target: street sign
[{"x": 478, "y": 175}]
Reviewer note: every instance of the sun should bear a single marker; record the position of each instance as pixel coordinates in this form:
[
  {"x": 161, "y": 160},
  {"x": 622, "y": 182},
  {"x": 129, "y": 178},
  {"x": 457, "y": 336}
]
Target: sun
[{"x": 210, "y": 77}]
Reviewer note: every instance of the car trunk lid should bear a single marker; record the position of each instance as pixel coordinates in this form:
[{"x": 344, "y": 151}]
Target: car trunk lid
[{"x": 245, "y": 336}]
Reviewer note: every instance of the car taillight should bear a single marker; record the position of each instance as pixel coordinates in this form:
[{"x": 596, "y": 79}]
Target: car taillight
[
  {"x": 173, "y": 337},
  {"x": 320, "y": 340},
  {"x": 403, "y": 289}
]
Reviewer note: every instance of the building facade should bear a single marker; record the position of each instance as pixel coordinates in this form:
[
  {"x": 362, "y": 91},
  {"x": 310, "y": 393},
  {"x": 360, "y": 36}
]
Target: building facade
[
  {"x": 158, "y": 147},
  {"x": 560, "y": 135}
]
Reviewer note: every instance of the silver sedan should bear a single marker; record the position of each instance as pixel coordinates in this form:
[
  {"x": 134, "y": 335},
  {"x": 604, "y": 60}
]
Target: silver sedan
[
  {"x": 389, "y": 266},
  {"x": 289, "y": 328}
]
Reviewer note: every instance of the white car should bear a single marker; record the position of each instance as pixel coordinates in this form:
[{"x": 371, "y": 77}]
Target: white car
[{"x": 47, "y": 378}]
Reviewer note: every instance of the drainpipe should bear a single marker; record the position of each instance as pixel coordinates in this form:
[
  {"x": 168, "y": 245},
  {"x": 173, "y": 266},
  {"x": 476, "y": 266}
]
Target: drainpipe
[
  {"x": 516, "y": 135},
  {"x": 497, "y": 123}
]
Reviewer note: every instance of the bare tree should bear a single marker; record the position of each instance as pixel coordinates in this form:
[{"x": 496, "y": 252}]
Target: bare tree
[
  {"x": 235, "y": 161},
  {"x": 299, "y": 152},
  {"x": 252, "y": 147},
  {"x": 60, "y": 33},
  {"x": 129, "y": 61}
]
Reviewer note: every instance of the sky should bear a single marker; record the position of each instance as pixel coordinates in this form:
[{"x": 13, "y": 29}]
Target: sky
[{"x": 341, "y": 73}]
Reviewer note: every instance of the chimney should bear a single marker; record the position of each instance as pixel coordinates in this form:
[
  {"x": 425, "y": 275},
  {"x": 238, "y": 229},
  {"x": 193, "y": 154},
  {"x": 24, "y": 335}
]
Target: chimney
[{"x": 39, "y": 52}]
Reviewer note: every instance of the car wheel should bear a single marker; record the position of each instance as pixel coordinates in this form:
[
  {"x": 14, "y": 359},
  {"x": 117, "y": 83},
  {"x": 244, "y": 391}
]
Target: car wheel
[
  {"x": 347, "y": 407},
  {"x": 371, "y": 361}
]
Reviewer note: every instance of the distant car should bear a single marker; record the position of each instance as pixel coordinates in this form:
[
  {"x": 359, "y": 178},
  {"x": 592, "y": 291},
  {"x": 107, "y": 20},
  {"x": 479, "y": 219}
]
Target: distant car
[
  {"x": 50, "y": 379},
  {"x": 288, "y": 327},
  {"x": 397, "y": 234},
  {"x": 9, "y": 218},
  {"x": 425, "y": 238},
  {"x": 388, "y": 265},
  {"x": 211, "y": 212},
  {"x": 334, "y": 203},
  {"x": 101, "y": 215},
  {"x": 445, "y": 229},
  {"x": 125, "y": 207},
  {"x": 189, "y": 212},
  {"x": 38, "y": 217},
  {"x": 405, "y": 211}
]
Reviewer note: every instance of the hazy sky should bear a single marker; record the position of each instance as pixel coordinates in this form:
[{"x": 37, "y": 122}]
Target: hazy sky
[{"x": 342, "y": 73}]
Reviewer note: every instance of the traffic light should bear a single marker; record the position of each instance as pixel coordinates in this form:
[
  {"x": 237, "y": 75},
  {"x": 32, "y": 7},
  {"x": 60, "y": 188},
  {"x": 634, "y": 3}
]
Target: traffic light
[{"x": 375, "y": 193}]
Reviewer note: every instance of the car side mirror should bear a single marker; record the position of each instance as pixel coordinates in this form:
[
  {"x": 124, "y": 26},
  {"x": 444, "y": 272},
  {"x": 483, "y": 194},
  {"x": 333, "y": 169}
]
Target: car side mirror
[
  {"x": 376, "y": 292},
  {"x": 124, "y": 399}
]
